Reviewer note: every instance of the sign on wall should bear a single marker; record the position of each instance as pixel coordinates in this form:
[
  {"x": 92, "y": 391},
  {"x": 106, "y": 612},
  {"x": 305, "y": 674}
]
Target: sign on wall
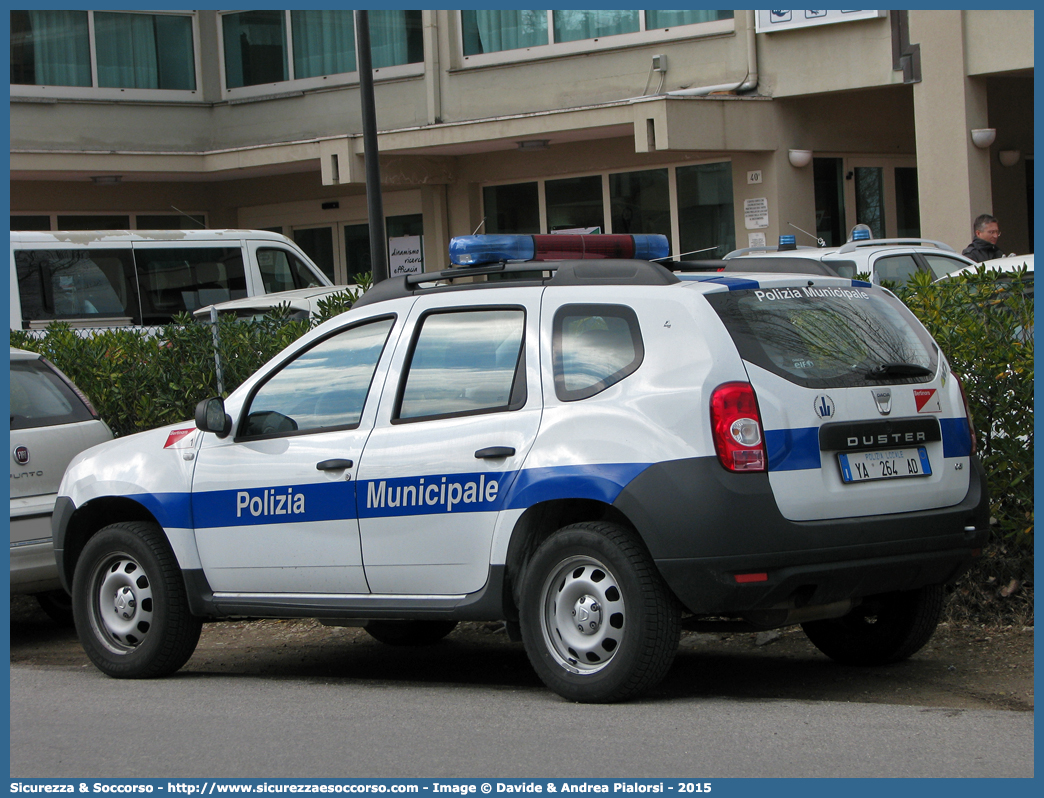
[
  {"x": 770, "y": 21},
  {"x": 756, "y": 213},
  {"x": 405, "y": 255}
]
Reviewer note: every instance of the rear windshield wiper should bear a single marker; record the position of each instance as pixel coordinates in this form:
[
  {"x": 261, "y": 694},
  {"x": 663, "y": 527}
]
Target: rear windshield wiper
[{"x": 886, "y": 370}]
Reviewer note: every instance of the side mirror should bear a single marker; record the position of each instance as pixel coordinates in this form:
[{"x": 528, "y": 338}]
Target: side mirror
[{"x": 211, "y": 417}]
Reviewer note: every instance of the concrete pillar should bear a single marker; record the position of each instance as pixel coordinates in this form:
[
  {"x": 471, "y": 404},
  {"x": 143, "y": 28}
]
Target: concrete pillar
[
  {"x": 788, "y": 191},
  {"x": 953, "y": 175}
]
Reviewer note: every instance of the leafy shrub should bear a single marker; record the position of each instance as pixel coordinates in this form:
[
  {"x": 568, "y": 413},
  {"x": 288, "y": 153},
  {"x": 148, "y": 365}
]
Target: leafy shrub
[
  {"x": 984, "y": 325},
  {"x": 139, "y": 379}
]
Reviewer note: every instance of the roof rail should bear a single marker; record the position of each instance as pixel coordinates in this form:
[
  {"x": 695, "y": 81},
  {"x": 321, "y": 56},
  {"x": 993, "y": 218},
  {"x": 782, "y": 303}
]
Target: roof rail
[
  {"x": 852, "y": 246},
  {"x": 609, "y": 271}
]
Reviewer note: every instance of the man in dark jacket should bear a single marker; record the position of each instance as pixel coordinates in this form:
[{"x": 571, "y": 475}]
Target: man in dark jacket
[{"x": 984, "y": 245}]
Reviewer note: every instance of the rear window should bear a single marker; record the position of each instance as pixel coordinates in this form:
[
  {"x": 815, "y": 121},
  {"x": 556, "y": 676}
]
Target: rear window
[
  {"x": 824, "y": 337},
  {"x": 40, "y": 398}
]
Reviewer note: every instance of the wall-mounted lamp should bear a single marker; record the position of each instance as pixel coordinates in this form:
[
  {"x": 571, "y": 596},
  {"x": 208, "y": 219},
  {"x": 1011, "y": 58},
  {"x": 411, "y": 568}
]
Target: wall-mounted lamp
[
  {"x": 800, "y": 158},
  {"x": 983, "y": 137},
  {"x": 106, "y": 179},
  {"x": 1009, "y": 157},
  {"x": 534, "y": 144}
]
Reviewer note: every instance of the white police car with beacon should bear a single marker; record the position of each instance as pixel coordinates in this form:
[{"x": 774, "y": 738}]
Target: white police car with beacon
[
  {"x": 887, "y": 260},
  {"x": 584, "y": 444}
]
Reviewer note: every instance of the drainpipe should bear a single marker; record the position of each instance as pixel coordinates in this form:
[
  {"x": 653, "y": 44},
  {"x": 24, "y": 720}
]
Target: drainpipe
[{"x": 749, "y": 83}]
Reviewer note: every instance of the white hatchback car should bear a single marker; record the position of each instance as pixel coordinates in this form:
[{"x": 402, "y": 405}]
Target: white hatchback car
[
  {"x": 596, "y": 451},
  {"x": 51, "y": 422},
  {"x": 888, "y": 260}
]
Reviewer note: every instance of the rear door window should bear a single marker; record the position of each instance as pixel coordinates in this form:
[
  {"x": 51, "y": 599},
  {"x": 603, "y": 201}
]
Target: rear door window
[
  {"x": 182, "y": 279},
  {"x": 465, "y": 362},
  {"x": 57, "y": 284},
  {"x": 895, "y": 268},
  {"x": 828, "y": 337},
  {"x": 40, "y": 398}
]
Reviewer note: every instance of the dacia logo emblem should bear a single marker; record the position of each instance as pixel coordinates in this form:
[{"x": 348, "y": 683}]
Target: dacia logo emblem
[
  {"x": 883, "y": 398},
  {"x": 824, "y": 406},
  {"x": 21, "y": 455}
]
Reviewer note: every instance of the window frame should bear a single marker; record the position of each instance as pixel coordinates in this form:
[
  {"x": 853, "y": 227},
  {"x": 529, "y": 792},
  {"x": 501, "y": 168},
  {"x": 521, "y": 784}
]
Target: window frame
[
  {"x": 624, "y": 312},
  {"x": 244, "y": 414},
  {"x": 96, "y": 92},
  {"x": 518, "y": 395},
  {"x": 643, "y": 36},
  {"x": 293, "y": 85}
]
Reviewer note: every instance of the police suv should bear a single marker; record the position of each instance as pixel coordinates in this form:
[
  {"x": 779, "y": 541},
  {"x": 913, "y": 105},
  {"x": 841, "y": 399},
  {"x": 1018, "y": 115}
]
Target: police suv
[{"x": 562, "y": 434}]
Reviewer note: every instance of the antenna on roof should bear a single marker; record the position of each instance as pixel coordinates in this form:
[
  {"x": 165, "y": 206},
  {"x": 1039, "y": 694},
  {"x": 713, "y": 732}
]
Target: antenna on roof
[
  {"x": 187, "y": 216},
  {"x": 480, "y": 225},
  {"x": 819, "y": 241}
]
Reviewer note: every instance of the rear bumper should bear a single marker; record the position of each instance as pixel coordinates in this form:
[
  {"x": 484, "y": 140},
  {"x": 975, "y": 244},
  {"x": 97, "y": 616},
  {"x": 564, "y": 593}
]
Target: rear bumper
[{"x": 708, "y": 526}]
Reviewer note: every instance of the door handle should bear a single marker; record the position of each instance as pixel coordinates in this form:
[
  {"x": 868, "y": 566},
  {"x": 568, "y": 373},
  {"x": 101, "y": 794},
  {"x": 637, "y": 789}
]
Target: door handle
[
  {"x": 491, "y": 452},
  {"x": 333, "y": 465}
]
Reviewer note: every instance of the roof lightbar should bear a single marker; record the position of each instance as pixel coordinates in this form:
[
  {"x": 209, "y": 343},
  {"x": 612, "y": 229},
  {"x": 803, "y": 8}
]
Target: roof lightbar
[{"x": 480, "y": 249}]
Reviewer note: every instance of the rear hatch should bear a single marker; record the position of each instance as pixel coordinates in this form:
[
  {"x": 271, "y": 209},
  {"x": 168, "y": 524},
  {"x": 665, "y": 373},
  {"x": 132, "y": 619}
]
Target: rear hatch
[
  {"x": 50, "y": 424},
  {"x": 861, "y": 413}
]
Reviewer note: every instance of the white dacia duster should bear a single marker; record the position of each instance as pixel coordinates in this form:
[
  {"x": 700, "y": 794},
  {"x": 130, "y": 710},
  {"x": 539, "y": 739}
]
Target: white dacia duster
[{"x": 596, "y": 450}]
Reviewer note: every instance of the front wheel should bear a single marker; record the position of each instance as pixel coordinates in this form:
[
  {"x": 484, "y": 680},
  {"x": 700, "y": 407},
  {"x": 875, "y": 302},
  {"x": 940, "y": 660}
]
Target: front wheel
[
  {"x": 130, "y": 605},
  {"x": 883, "y": 629},
  {"x": 598, "y": 623}
]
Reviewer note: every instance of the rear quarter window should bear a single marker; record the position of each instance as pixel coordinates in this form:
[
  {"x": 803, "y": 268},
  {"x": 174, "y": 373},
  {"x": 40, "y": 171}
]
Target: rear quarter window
[
  {"x": 595, "y": 347},
  {"x": 825, "y": 337}
]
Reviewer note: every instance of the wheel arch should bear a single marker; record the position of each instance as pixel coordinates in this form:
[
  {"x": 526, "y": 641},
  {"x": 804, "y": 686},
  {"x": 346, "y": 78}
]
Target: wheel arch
[
  {"x": 86, "y": 521},
  {"x": 537, "y": 524}
]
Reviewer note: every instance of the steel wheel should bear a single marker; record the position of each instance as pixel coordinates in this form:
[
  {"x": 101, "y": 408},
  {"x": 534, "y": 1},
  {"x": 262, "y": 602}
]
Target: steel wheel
[
  {"x": 130, "y": 604},
  {"x": 584, "y": 614},
  {"x": 121, "y": 603},
  {"x": 598, "y": 622}
]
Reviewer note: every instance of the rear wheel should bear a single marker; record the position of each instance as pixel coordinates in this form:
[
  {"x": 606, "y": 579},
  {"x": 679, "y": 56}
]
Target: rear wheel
[
  {"x": 130, "y": 604},
  {"x": 598, "y": 622},
  {"x": 883, "y": 629},
  {"x": 409, "y": 633}
]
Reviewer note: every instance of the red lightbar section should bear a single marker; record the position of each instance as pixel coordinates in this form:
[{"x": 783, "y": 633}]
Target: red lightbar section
[
  {"x": 570, "y": 247},
  {"x": 744, "y": 579}
]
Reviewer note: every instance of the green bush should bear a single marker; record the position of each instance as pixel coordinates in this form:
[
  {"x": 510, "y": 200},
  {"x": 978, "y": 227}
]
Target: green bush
[
  {"x": 139, "y": 379},
  {"x": 984, "y": 325}
]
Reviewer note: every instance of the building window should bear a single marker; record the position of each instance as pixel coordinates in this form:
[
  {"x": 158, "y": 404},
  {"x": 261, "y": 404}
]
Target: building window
[
  {"x": 512, "y": 209},
  {"x": 131, "y": 50},
  {"x": 705, "y": 215},
  {"x": 50, "y": 48},
  {"x": 691, "y": 205},
  {"x": 571, "y": 26},
  {"x": 575, "y": 203},
  {"x": 258, "y": 44},
  {"x": 500, "y": 31},
  {"x": 109, "y": 221},
  {"x": 641, "y": 202}
]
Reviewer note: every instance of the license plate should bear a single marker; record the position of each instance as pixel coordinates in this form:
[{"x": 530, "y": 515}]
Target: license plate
[{"x": 885, "y": 464}]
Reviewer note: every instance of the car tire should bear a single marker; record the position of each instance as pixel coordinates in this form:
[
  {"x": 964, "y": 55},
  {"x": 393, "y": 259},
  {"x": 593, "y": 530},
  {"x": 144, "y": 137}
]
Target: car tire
[
  {"x": 130, "y": 604},
  {"x": 599, "y": 577},
  {"x": 409, "y": 633},
  {"x": 883, "y": 629},
  {"x": 57, "y": 604}
]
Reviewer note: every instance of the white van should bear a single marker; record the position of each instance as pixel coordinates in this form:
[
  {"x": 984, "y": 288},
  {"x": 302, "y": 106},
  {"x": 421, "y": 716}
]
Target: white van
[{"x": 117, "y": 278}]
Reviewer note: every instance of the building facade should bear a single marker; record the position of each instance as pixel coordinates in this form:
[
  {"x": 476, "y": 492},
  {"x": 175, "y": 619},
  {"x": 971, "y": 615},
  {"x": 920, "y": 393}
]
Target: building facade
[{"x": 720, "y": 129}]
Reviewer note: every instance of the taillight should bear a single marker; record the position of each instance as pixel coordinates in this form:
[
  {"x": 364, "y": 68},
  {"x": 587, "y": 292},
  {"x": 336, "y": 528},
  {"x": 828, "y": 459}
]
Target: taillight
[
  {"x": 967, "y": 412},
  {"x": 736, "y": 427}
]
